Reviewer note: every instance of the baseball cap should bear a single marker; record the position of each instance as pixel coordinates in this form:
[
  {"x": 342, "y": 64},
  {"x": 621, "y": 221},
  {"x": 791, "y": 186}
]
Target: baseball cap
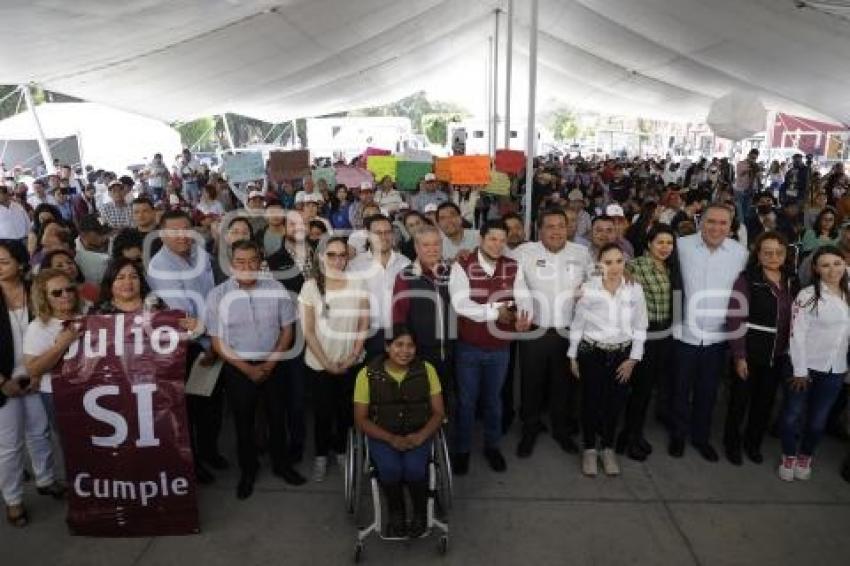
[
  {"x": 430, "y": 208},
  {"x": 575, "y": 194},
  {"x": 614, "y": 210},
  {"x": 313, "y": 197},
  {"x": 256, "y": 194},
  {"x": 430, "y": 177},
  {"x": 366, "y": 186}
]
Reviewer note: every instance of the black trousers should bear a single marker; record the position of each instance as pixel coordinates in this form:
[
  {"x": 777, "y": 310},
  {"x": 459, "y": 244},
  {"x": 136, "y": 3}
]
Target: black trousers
[
  {"x": 753, "y": 398},
  {"x": 205, "y": 414},
  {"x": 508, "y": 407},
  {"x": 444, "y": 363},
  {"x": 546, "y": 379},
  {"x": 602, "y": 396},
  {"x": 333, "y": 409},
  {"x": 244, "y": 395},
  {"x": 654, "y": 368},
  {"x": 294, "y": 385}
]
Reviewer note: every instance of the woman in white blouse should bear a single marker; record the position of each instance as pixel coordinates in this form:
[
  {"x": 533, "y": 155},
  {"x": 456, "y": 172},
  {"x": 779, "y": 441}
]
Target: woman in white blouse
[
  {"x": 22, "y": 414},
  {"x": 335, "y": 318},
  {"x": 606, "y": 343},
  {"x": 49, "y": 335},
  {"x": 820, "y": 326}
]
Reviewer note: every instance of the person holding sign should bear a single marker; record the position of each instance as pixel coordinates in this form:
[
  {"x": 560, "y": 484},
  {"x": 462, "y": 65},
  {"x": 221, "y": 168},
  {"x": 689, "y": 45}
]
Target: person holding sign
[
  {"x": 387, "y": 197},
  {"x": 428, "y": 194},
  {"x": 22, "y": 414},
  {"x": 250, "y": 321}
]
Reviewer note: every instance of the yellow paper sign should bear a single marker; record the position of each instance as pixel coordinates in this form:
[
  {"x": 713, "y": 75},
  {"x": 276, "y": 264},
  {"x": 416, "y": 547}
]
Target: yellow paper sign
[
  {"x": 500, "y": 184},
  {"x": 382, "y": 166}
]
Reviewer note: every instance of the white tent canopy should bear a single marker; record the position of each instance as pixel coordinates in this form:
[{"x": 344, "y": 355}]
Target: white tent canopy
[
  {"x": 281, "y": 59},
  {"x": 105, "y": 137}
]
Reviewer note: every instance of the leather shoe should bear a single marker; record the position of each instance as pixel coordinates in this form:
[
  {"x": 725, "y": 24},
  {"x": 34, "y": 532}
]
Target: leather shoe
[
  {"x": 245, "y": 487},
  {"x": 526, "y": 444},
  {"x": 495, "y": 459},
  {"x": 290, "y": 475},
  {"x": 676, "y": 448},
  {"x": 203, "y": 475},
  {"x": 707, "y": 451},
  {"x": 733, "y": 454},
  {"x": 216, "y": 462},
  {"x": 644, "y": 445},
  {"x": 567, "y": 444},
  {"x": 460, "y": 463},
  {"x": 622, "y": 443},
  {"x": 634, "y": 452},
  {"x": 754, "y": 454}
]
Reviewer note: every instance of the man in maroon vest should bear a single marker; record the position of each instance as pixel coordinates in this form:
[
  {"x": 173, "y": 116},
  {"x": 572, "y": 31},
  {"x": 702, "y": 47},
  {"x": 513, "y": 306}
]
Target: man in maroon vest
[{"x": 486, "y": 288}]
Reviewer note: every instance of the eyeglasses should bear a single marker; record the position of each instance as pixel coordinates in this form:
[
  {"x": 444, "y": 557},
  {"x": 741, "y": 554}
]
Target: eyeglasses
[{"x": 56, "y": 293}]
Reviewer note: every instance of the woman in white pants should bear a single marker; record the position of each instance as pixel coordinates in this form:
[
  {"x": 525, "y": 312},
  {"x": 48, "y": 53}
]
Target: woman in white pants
[{"x": 22, "y": 414}]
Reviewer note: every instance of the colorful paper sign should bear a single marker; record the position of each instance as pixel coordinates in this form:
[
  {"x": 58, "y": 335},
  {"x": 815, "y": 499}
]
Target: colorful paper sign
[
  {"x": 244, "y": 166},
  {"x": 410, "y": 173},
  {"x": 382, "y": 166},
  {"x": 326, "y": 173},
  {"x": 510, "y": 161},
  {"x": 289, "y": 165},
  {"x": 121, "y": 411},
  {"x": 500, "y": 184},
  {"x": 469, "y": 169},
  {"x": 442, "y": 169},
  {"x": 352, "y": 177}
]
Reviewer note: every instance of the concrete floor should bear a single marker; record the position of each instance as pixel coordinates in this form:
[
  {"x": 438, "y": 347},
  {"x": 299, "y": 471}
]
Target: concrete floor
[{"x": 541, "y": 512}]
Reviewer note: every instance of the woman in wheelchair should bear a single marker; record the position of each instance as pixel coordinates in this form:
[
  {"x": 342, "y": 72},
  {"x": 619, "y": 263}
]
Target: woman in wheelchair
[{"x": 399, "y": 407}]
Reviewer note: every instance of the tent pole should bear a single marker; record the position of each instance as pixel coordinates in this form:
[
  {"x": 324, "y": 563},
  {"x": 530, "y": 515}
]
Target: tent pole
[
  {"x": 531, "y": 134},
  {"x": 488, "y": 93},
  {"x": 495, "y": 127},
  {"x": 39, "y": 132},
  {"x": 227, "y": 131},
  {"x": 294, "y": 135},
  {"x": 509, "y": 49}
]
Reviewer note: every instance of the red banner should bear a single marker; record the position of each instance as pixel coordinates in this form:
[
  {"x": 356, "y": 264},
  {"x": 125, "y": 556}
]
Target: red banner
[
  {"x": 121, "y": 416},
  {"x": 510, "y": 161}
]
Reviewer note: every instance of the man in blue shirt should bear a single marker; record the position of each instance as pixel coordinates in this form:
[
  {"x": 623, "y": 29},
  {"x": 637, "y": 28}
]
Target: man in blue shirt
[
  {"x": 181, "y": 275},
  {"x": 710, "y": 262},
  {"x": 250, "y": 318}
]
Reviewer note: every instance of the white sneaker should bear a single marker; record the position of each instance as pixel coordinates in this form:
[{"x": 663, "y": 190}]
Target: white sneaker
[
  {"x": 320, "y": 468},
  {"x": 786, "y": 468},
  {"x": 589, "y": 462},
  {"x": 609, "y": 462},
  {"x": 342, "y": 462},
  {"x": 803, "y": 468}
]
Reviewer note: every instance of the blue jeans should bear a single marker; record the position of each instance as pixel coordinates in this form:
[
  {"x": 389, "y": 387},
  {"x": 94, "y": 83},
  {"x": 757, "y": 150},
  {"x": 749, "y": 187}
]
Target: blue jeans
[
  {"x": 480, "y": 374},
  {"x": 698, "y": 370},
  {"x": 815, "y": 402},
  {"x": 395, "y": 466},
  {"x": 191, "y": 192}
]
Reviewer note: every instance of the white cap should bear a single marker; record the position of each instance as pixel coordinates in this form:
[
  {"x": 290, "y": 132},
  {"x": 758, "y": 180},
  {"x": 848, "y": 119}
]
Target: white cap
[
  {"x": 256, "y": 194},
  {"x": 366, "y": 186},
  {"x": 313, "y": 197},
  {"x": 430, "y": 177},
  {"x": 173, "y": 200},
  {"x": 614, "y": 210},
  {"x": 430, "y": 208},
  {"x": 403, "y": 206}
]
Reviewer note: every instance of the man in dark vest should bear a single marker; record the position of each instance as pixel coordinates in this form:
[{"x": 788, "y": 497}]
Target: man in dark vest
[
  {"x": 421, "y": 302},
  {"x": 486, "y": 287}
]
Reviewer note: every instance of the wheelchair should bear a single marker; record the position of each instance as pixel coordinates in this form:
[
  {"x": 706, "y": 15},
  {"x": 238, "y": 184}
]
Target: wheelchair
[{"x": 360, "y": 472}]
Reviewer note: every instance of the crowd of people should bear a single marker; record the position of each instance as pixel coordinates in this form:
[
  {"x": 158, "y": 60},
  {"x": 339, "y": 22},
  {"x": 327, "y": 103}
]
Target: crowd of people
[{"x": 400, "y": 313}]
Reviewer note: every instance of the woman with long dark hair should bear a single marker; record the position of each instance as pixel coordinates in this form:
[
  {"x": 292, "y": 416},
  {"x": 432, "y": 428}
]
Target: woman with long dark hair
[
  {"x": 759, "y": 326},
  {"x": 820, "y": 326},
  {"x": 335, "y": 318},
  {"x": 43, "y": 213},
  {"x": 824, "y": 231},
  {"x": 638, "y": 233},
  {"x": 656, "y": 272},
  {"x": 339, "y": 204}
]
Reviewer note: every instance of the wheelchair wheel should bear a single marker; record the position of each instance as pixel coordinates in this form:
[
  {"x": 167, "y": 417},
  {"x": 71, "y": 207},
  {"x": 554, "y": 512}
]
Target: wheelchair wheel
[
  {"x": 443, "y": 545},
  {"x": 359, "y": 480},
  {"x": 443, "y": 466},
  {"x": 348, "y": 479},
  {"x": 358, "y": 552}
]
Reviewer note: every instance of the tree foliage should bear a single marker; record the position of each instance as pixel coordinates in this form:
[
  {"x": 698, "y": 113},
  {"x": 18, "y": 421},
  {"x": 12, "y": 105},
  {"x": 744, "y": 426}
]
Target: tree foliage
[
  {"x": 565, "y": 125},
  {"x": 415, "y": 107}
]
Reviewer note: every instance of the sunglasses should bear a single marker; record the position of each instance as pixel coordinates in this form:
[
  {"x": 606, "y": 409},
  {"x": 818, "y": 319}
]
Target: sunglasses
[{"x": 56, "y": 293}]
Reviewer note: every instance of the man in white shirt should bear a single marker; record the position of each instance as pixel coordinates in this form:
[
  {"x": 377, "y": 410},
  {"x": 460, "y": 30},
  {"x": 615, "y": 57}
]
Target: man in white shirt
[
  {"x": 709, "y": 262},
  {"x": 39, "y": 195},
  {"x": 387, "y": 197},
  {"x": 457, "y": 241},
  {"x": 378, "y": 267},
  {"x": 14, "y": 220},
  {"x": 516, "y": 237},
  {"x": 554, "y": 270},
  {"x": 490, "y": 297}
]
